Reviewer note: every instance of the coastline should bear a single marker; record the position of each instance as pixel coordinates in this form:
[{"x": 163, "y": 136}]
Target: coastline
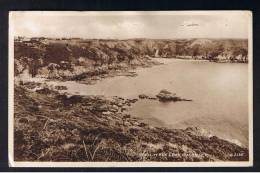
[
  {"x": 91, "y": 119},
  {"x": 179, "y": 144},
  {"x": 87, "y": 124}
]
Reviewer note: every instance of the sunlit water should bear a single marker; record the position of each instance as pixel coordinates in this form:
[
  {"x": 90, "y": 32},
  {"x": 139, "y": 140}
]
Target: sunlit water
[{"x": 219, "y": 92}]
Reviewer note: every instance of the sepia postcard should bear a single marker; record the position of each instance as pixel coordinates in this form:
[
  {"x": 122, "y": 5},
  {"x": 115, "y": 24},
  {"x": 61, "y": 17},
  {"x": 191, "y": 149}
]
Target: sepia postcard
[{"x": 130, "y": 89}]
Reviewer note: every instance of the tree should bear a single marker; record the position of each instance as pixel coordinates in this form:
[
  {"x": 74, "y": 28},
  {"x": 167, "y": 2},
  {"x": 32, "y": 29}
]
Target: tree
[
  {"x": 195, "y": 50},
  {"x": 55, "y": 53}
]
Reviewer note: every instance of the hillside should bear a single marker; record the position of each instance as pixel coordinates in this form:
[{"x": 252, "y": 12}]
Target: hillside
[
  {"x": 76, "y": 59},
  {"x": 56, "y": 126},
  {"x": 49, "y": 126}
]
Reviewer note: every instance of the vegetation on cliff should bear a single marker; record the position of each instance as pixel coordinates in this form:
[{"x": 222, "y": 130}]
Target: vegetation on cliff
[
  {"x": 49, "y": 126},
  {"x": 75, "y": 59}
]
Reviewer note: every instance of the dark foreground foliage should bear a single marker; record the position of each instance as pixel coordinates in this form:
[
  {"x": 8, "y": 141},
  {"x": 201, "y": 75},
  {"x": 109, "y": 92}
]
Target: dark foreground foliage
[{"x": 49, "y": 126}]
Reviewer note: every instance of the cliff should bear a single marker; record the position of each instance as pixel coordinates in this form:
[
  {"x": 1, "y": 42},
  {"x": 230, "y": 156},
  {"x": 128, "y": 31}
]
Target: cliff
[
  {"x": 76, "y": 59},
  {"x": 49, "y": 126}
]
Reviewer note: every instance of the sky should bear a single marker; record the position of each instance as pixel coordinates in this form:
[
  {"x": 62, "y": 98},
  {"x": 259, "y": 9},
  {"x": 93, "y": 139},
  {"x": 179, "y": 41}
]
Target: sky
[{"x": 123, "y": 25}]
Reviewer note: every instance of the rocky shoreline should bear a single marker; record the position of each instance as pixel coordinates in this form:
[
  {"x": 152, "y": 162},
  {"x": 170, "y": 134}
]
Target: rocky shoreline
[
  {"x": 50, "y": 126},
  {"x": 164, "y": 96},
  {"x": 76, "y": 59}
]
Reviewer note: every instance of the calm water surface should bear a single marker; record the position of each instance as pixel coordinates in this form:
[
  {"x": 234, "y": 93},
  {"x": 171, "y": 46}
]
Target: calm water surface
[{"x": 219, "y": 92}]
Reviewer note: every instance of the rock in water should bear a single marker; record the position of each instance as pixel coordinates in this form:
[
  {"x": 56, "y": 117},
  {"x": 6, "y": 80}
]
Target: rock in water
[{"x": 165, "y": 95}]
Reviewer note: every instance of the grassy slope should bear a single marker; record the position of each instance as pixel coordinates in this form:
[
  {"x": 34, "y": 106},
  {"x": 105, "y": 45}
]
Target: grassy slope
[
  {"x": 54, "y": 127},
  {"x": 114, "y": 54}
]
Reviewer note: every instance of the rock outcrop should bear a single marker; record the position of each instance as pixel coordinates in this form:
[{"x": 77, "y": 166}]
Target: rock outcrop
[
  {"x": 166, "y": 96},
  {"x": 82, "y": 58},
  {"x": 61, "y": 127}
]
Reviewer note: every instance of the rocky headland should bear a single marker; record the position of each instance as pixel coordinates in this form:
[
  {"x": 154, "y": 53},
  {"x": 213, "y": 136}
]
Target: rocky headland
[
  {"x": 87, "y": 60},
  {"x": 54, "y": 126}
]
